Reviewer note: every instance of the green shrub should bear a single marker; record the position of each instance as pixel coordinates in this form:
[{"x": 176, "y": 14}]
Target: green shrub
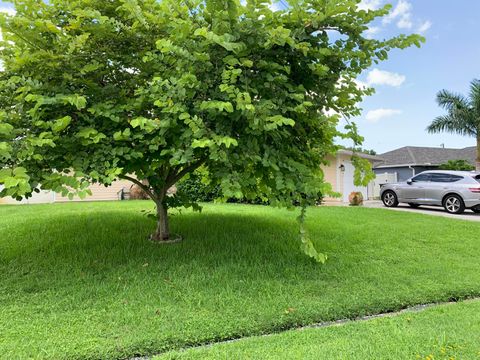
[
  {"x": 197, "y": 190},
  {"x": 459, "y": 165}
]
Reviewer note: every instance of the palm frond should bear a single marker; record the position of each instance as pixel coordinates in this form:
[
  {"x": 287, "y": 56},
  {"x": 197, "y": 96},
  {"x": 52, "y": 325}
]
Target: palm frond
[
  {"x": 450, "y": 101},
  {"x": 462, "y": 115},
  {"x": 475, "y": 97},
  {"x": 461, "y": 125}
]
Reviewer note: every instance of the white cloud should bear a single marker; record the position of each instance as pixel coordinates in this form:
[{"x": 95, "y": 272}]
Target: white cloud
[
  {"x": 382, "y": 77},
  {"x": 403, "y": 8},
  {"x": 374, "y": 116},
  {"x": 402, "y": 13},
  {"x": 369, "y": 5},
  {"x": 361, "y": 84},
  {"x": 405, "y": 23},
  {"x": 401, "y": 16},
  {"x": 372, "y": 31},
  {"x": 424, "y": 27},
  {"x": 5, "y": 9}
]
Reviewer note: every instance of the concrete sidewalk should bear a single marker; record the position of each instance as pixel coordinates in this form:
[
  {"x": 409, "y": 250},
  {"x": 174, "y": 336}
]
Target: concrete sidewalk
[{"x": 429, "y": 210}]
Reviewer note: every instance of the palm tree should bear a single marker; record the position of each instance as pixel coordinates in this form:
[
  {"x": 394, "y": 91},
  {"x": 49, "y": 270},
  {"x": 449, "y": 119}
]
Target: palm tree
[{"x": 463, "y": 115}]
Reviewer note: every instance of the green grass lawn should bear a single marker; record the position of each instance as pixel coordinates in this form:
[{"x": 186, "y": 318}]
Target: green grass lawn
[
  {"x": 445, "y": 332},
  {"x": 81, "y": 281}
]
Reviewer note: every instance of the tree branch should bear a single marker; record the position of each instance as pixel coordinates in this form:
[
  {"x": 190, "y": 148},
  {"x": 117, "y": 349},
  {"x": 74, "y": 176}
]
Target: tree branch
[
  {"x": 142, "y": 186},
  {"x": 171, "y": 180}
]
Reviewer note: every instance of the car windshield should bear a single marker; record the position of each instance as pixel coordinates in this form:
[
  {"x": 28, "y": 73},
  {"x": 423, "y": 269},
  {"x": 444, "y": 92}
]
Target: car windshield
[{"x": 477, "y": 177}]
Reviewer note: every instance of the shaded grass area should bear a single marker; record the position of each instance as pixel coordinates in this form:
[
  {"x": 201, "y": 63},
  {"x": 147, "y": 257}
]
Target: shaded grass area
[
  {"x": 444, "y": 332},
  {"x": 81, "y": 281}
]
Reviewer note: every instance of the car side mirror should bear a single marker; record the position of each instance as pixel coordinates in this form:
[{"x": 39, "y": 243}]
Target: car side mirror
[{"x": 409, "y": 182}]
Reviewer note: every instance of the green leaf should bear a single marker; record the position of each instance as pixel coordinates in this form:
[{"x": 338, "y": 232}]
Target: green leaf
[
  {"x": 217, "y": 105},
  {"x": 4, "y": 173},
  {"x": 118, "y": 136},
  {"x": 148, "y": 125},
  {"x": 61, "y": 124},
  {"x": 278, "y": 120},
  {"x": 201, "y": 143},
  {"x": 6, "y": 129},
  {"x": 138, "y": 122},
  {"x": 87, "y": 133},
  {"x": 5, "y": 150},
  {"x": 11, "y": 182},
  {"x": 77, "y": 100},
  {"x": 20, "y": 172}
]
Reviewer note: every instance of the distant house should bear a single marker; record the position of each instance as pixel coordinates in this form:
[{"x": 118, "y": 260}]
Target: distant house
[
  {"x": 403, "y": 163},
  {"x": 339, "y": 173},
  {"x": 99, "y": 193}
]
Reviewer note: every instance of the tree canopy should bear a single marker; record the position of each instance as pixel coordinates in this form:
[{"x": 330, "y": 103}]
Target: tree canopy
[{"x": 146, "y": 90}]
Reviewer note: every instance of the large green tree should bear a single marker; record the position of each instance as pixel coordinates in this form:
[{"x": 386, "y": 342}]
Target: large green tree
[
  {"x": 463, "y": 115},
  {"x": 147, "y": 90}
]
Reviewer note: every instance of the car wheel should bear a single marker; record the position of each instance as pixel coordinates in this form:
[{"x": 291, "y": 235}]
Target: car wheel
[
  {"x": 412, "y": 205},
  {"x": 389, "y": 199},
  {"x": 454, "y": 204}
]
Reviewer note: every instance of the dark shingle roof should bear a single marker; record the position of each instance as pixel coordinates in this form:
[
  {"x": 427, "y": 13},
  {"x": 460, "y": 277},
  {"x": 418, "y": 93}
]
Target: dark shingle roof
[{"x": 415, "y": 155}]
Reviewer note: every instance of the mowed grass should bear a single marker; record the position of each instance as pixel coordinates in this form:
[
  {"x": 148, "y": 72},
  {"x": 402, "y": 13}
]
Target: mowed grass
[
  {"x": 445, "y": 332},
  {"x": 81, "y": 281}
]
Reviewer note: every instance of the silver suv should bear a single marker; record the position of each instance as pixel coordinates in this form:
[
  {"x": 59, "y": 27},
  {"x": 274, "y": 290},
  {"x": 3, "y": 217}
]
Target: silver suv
[{"x": 454, "y": 190}]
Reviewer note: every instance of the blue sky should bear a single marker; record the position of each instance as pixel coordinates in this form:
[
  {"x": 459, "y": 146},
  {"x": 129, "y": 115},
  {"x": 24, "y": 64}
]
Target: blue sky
[
  {"x": 407, "y": 83},
  {"x": 449, "y": 59}
]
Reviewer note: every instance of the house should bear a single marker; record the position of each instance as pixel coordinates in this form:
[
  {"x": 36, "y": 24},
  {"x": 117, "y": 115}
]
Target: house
[
  {"x": 403, "y": 163},
  {"x": 99, "y": 193},
  {"x": 339, "y": 172}
]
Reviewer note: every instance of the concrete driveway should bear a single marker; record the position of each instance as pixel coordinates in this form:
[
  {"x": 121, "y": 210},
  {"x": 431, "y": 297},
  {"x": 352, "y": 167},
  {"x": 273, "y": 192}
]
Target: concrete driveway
[{"x": 429, "y": 210}]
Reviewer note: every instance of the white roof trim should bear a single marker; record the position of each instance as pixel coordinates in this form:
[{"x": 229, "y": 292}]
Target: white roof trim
[{"x": 403, "y": 165}]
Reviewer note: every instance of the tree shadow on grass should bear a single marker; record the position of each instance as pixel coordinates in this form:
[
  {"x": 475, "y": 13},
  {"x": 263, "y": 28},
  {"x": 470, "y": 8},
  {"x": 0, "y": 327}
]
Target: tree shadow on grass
[{"x": 112, "y": 240}]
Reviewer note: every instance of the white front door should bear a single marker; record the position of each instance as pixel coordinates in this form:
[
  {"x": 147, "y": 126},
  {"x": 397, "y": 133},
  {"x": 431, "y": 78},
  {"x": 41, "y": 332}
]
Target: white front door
[{"x": 348, "y": 185}]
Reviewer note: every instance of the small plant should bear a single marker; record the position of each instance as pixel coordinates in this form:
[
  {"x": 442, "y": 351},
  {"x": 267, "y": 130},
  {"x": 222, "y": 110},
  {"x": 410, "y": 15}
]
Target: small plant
[{"x": 355, "y": 198}]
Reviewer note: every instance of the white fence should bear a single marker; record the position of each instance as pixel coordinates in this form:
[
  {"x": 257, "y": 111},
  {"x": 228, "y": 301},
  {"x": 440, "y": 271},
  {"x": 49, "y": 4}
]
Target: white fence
[{"x": 381, "y": 179}]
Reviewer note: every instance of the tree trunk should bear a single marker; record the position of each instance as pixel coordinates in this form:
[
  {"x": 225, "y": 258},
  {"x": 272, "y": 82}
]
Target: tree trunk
[
  {"x": 163, "y": 232},
  {"x": 477, "y": 164}
]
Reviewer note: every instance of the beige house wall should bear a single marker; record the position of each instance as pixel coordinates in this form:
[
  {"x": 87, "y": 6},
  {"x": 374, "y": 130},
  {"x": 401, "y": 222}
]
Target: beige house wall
[
  {"x": 331, "y": 175},
  {"x": 100, "y": 192}
]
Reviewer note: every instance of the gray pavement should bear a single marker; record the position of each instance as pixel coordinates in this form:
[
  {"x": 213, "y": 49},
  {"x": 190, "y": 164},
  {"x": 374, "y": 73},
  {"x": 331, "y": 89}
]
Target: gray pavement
[{"x": 429, "y": 210}]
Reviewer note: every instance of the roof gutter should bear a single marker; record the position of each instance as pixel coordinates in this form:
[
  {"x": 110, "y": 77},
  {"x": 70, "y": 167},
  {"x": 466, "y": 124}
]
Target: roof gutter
[
  {"x": 404, "y": 165},
  {"x": 413, "y": 170}
]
